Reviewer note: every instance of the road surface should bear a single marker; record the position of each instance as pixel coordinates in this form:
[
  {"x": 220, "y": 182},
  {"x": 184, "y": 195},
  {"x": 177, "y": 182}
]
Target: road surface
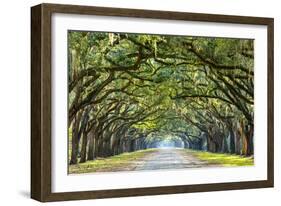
[
  {"x": 155, "y": 159},
  {"x": 170, "y": 158}
]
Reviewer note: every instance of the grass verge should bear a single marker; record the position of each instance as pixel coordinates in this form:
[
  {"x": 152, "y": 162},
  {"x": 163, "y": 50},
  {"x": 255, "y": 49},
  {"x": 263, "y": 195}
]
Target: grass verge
[
  {"x": 122, "y": 162},
  {"x": 223, "y": 159}
]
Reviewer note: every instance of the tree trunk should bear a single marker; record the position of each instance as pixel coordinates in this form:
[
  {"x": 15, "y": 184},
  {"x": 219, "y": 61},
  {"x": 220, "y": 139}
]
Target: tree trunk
[
  {"x": 186, "y": 145},
  {"x": 250, "y": 141},
  {"x": 225, "y": 145},
  {"x": 90, "y": 155},
  {"x": 98, "y": 145},
  {"x": 231, "y": 141},
  {"x": 246, "y": 134},
  {"x": 84, "y": 147},
  {"x": 211, "y": 146},
  {"x": 132, "y": 146},
  {"x": 75, "y": 140},
  {"x": 74, "y": 146}
]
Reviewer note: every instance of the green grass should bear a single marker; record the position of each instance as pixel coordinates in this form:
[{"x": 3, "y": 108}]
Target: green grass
[
  {"x": 223, "y": 159},
  {"x": 122, "y": 162}
]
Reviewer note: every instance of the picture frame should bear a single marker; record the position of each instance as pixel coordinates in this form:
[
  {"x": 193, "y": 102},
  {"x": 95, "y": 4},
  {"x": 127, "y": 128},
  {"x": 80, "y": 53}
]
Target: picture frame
[{"x": 41, "y": 101}]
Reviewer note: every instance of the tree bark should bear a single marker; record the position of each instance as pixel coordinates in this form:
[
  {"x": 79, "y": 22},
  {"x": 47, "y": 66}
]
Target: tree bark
[
  {"x": 75, "y": 140},
  {"x": 231, "y": 141},
  {"x": 92, "y": 142},
  {"x": 84, "y": 147}
]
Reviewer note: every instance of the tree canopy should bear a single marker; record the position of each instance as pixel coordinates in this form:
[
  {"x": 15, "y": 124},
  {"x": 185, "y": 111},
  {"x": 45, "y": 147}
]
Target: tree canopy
[{"x": 131, "y": 91}]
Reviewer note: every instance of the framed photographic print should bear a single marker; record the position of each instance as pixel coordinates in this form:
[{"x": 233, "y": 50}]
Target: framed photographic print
[{"x": 132, "y": 102}]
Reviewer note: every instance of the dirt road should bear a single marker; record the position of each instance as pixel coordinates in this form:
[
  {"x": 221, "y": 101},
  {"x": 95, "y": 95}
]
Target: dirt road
[{"x": 170, "y": 158}]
